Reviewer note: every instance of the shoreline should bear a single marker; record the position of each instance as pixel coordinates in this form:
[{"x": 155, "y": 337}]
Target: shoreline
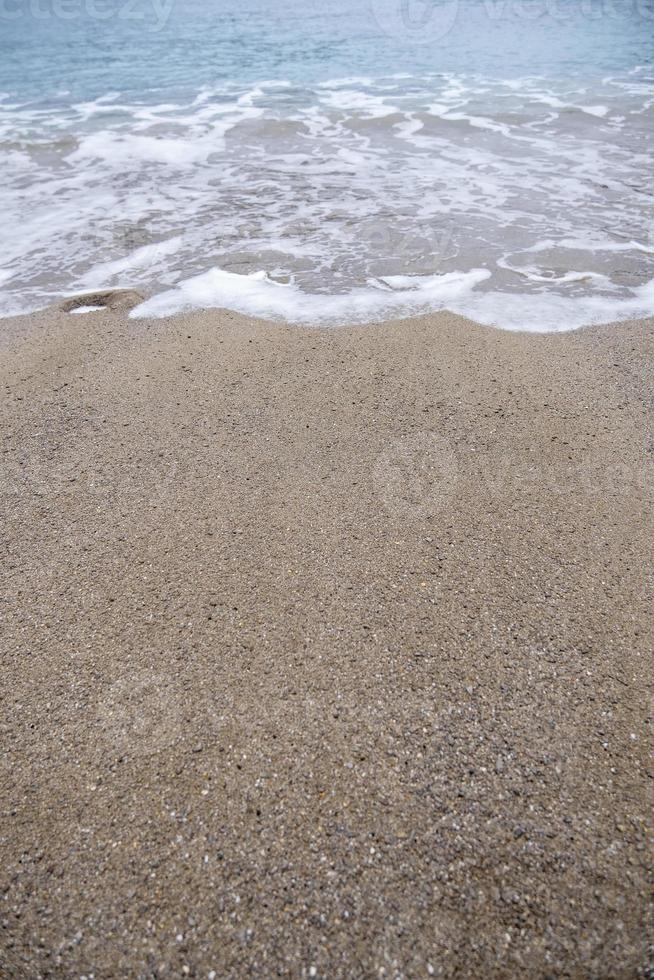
[
  {"x": 255, "y": 296},
  {"x": 127, "y": 299},
  {"x": 327, "y": 651}
]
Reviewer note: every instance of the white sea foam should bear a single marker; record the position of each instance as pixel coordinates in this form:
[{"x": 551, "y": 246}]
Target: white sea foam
[
  {"x": 79, "y": 310},
  {"x": 350, "y": 100},
  {"x": 259, "y": 295},
  {"x": 518, "y": 202},
  {"x": 549, "y": 312},
  {"x": 148, "y": 258}
]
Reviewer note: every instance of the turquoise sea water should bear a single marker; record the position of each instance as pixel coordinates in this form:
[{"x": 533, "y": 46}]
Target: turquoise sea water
[{"x": 331, "y": 161}]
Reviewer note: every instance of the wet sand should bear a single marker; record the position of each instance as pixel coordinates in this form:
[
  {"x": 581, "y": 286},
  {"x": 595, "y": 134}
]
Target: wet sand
[{"x": 325, "y": 652}]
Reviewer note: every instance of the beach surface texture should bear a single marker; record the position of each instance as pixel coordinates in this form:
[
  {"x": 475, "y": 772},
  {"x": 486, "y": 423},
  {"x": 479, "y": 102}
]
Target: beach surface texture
[{"x": 326, "y": 652}]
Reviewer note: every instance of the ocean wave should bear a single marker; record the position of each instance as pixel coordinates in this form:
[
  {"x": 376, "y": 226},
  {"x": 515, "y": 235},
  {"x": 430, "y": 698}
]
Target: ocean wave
[
  {"x": 332, "y": 187},
  {"x": 397, "y": 296}
]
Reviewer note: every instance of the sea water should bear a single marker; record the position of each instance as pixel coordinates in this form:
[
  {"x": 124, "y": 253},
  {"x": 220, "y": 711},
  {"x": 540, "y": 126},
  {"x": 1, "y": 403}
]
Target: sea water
[{"x": 331, "y": 162}]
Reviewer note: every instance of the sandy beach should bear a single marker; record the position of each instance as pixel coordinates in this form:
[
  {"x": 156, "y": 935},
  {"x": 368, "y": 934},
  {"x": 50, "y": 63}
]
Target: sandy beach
[{"x": 325, "y": 652}]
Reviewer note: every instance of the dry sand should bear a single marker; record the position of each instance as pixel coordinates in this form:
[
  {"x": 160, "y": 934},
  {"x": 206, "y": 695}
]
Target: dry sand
[{"x": 325, "y": 652}]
